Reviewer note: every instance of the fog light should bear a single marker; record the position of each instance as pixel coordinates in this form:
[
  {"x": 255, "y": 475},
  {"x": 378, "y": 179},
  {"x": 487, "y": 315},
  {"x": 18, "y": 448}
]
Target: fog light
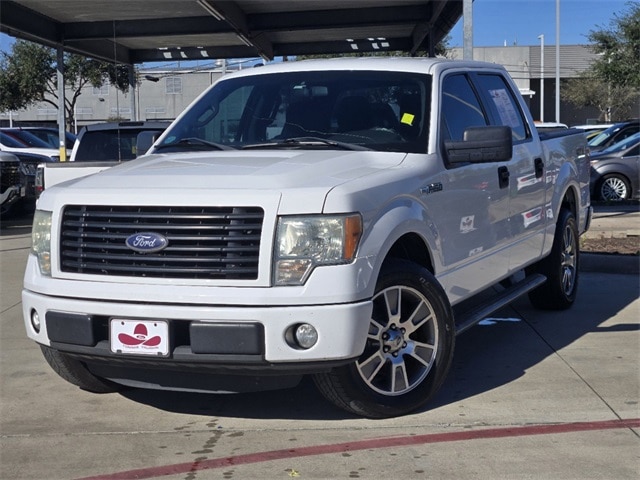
[
  {"x": 35, "y": 321},
  {"x": 306, "y": 335}
]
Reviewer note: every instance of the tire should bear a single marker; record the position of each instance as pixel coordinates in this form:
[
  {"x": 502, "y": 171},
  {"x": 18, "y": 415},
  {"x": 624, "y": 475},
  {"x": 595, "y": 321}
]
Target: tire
[
  {"x": 614, "y": 187},
  {"x": 74, "y": 371},
  {"x": 561, "y": 268},
  {"x": 408, "y": 351}
]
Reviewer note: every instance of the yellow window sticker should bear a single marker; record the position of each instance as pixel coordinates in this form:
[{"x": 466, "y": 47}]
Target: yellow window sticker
[{"x": 407, "y": 118}]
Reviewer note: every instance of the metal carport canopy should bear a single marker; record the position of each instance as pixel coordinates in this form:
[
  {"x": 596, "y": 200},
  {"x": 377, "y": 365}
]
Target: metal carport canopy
[{"x": 137, "y": 31}]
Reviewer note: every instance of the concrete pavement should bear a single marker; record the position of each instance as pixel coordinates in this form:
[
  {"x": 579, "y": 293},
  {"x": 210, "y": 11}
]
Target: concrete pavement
[{"x": 531, "y": 395}]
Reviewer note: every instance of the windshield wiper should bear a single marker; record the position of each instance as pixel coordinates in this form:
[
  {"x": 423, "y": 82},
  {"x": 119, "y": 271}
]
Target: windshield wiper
[
  {"x": 194, "y": 143},
  {"x": 301, "y": 142}
]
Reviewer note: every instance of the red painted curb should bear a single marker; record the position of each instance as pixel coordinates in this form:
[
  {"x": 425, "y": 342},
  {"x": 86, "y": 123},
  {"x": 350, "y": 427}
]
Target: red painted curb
[{"x": 528, "y": 430}]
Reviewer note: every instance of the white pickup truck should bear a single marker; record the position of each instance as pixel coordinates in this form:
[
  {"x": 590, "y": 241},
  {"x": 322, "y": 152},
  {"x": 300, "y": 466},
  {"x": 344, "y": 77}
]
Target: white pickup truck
[{"x": 337, "y": 218}]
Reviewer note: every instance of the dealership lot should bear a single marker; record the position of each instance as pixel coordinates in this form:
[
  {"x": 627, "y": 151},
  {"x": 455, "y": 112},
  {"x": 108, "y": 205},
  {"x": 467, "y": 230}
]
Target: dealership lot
[{"x": 531, "y": 395}]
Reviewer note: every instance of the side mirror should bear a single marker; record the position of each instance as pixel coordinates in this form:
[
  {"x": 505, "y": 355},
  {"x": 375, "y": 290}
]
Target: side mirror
[
  {"x": 481, "y": 144},
  {"x": 145, "y": 139}
]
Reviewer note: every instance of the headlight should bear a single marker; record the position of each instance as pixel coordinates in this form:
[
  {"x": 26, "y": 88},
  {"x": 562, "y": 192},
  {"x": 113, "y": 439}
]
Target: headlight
[
  {"x": 303, "y": 243},
  {"x": 41, "y": 240}
]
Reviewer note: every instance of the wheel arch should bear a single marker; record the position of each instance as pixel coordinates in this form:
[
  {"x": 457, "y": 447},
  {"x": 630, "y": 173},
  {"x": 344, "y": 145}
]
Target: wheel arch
[
  {"x": 413, "y": 248},
  {"x": 403, "y": 231},
  {"x": 569, "y": 201}
]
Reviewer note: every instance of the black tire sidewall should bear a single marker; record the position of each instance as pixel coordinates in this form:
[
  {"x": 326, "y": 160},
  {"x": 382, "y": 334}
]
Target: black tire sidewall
[
  {"x": 551, "y": 295},
  {"x": 75, "y": 372}
]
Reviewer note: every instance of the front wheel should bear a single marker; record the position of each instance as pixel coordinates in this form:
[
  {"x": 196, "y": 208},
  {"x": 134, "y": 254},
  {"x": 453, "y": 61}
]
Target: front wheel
[
  {"x": 408, "y": 351},
  {"x": 614, "y": 187},
  {"x": 561, "y": 267}
]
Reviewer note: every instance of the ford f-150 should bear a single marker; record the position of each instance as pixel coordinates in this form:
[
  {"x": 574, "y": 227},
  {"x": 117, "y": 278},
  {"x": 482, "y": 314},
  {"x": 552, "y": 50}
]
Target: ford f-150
[{"x": 334, "y": 218}]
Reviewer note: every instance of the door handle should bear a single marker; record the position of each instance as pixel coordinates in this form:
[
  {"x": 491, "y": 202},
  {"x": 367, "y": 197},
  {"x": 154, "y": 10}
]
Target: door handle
[
  {"x": 503, "y": 177},
  {"x": 539, "y": 167}
]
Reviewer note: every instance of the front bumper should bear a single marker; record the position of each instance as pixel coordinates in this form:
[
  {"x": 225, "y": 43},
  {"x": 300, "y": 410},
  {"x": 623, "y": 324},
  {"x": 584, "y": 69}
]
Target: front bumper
[
  {"x": 11, "y": 196},
  {"x": 252, "y": 337}
]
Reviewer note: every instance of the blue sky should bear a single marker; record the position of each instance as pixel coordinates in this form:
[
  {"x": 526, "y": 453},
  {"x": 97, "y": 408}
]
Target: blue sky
[{"x": 520, "y": 22}]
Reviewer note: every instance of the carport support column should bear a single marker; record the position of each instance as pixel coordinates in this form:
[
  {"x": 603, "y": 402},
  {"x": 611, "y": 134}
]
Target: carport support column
[
  {"x": 62, "y": 124},
  {"x": 467, "y": 29},
  {"x": 133, "y": 87}
]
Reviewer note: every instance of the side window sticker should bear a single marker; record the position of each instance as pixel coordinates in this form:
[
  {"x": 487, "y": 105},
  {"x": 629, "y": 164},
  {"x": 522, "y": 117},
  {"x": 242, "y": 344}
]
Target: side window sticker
[{"x": 506, "y": 109}]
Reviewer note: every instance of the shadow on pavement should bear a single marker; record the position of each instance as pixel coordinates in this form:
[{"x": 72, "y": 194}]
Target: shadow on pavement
[
  {"x": 303, "y": 402},
  {"x": 490, "y": 356}
]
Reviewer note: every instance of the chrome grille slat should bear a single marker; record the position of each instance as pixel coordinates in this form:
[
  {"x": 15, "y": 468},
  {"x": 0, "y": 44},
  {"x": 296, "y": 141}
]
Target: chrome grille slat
[
  {"x": 203, "y": 242},
  {"x": 152, "y": 226}
]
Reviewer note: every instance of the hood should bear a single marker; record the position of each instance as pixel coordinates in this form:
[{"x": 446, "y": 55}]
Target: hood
[
  {"x": 46, "y": 152},
  {"x": 256, "y": 170},
  {"x": 295, "y": 176},
  {"x": 600, "y": 156}
]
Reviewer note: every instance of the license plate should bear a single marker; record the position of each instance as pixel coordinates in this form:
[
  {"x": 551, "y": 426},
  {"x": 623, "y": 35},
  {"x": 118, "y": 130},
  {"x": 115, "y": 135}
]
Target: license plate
[{"x": 139, "y": 337}]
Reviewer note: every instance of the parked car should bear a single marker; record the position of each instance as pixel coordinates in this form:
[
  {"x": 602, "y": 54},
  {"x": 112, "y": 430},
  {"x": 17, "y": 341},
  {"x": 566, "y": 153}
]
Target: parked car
[
  {"x": 614, "y": 134},
  {"x": 592, "y": 129},
  {"x": 112, "y": 141},
  {"x": 99, "y": 147},
  {"x": 615, "y": 172},
  {"x": 50, "y": 136},
  {"x": 13, "y": 143},
  {"x": 28, "y": 169}
]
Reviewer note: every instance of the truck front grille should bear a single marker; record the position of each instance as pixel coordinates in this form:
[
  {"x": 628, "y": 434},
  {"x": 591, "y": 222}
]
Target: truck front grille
[
  {"x": 9, "y": 175},
  {"x": 212, "y": 243}
]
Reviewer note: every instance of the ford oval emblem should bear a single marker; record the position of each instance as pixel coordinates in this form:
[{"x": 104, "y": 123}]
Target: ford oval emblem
[{"x": 146, "y": 242}]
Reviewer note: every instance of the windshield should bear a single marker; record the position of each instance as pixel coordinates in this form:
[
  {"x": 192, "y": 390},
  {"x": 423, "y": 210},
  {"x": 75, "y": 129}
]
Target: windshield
[
  {"x": 377, "y": 110},
  {"x": 8, "y": 141},
  {"x": 603, "y": 136},
  {"x": 27, "y": 138},
  {"x": 623, "y": 144}
]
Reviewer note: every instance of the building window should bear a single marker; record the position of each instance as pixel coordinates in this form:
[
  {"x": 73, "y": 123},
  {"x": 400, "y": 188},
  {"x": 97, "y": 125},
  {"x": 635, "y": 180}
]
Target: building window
[
  {"x": 173, "y": 85},
  {"x": 151, "y": 111},
  {"x": 84, "y": 112},
  {"x": 120, "y": 111},
  {"x": 45, "y": 112}
]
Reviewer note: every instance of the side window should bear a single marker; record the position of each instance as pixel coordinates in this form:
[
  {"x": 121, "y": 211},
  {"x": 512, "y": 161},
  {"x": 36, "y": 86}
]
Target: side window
[
  {"x": 503, "y": 105},
  {"x": 634, "y": 152},
  {"x": 626, "y": 133},
  {"x": 461, "y": 108}
]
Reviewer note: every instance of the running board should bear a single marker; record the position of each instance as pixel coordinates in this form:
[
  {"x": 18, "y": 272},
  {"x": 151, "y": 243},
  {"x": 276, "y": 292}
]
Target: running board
[{"x": 469, "y": 318}]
